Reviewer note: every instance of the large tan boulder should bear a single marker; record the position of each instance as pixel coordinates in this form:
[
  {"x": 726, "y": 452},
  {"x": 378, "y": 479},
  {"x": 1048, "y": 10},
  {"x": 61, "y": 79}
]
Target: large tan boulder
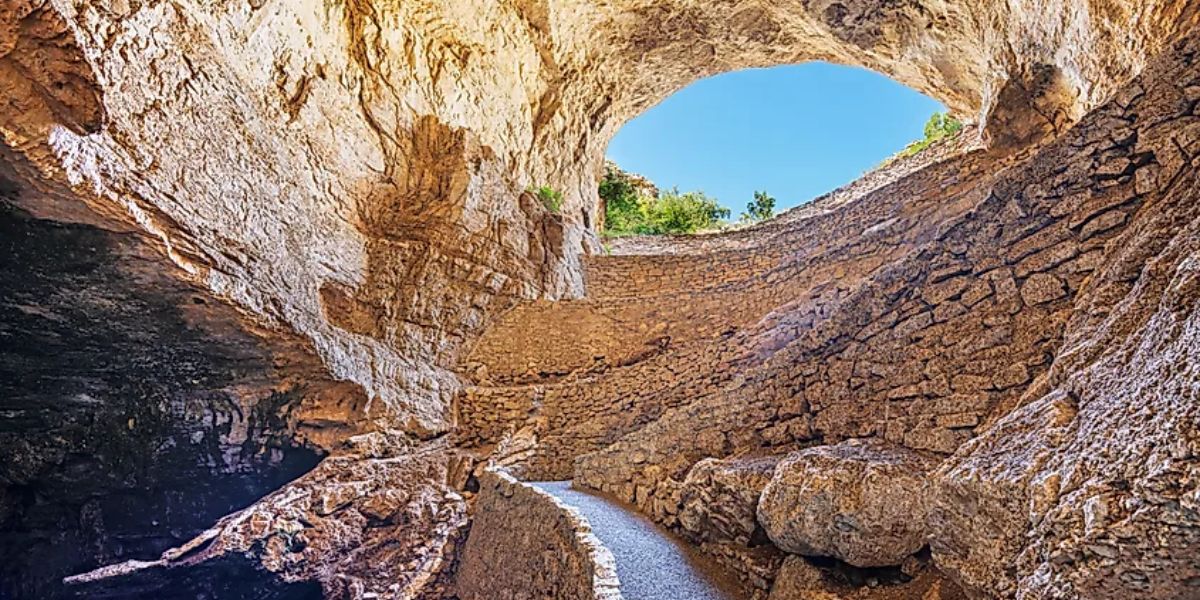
[{"x": 860, "y": 501}]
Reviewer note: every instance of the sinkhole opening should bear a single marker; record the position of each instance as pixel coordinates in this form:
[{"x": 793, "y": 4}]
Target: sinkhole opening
[{"x": 737, "y": 149}]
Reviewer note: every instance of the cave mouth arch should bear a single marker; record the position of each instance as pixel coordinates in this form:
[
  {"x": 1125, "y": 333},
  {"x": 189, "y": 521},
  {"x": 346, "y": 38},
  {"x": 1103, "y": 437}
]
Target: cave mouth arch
[{"x": 760, "y": 141}]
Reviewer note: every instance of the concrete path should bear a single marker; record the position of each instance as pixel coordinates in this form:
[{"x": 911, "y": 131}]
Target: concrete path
[{"x": 651, "y": 563}]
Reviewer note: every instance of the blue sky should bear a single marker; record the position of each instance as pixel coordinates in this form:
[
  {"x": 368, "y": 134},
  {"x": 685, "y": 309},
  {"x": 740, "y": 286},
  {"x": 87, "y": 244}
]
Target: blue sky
[{"x": 795, "y": 131}]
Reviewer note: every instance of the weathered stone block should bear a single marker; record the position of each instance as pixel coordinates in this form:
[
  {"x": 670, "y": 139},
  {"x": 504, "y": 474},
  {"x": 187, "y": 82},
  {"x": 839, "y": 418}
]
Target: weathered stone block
[
  {"x": 861, "y": 501},
  {"x": 1042, "y": 288},
  {"x": 720, "y": 498}
]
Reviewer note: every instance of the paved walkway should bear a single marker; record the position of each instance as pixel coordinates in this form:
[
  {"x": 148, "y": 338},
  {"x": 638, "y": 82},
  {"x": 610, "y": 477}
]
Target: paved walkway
[{"x": 651, "y": 563}]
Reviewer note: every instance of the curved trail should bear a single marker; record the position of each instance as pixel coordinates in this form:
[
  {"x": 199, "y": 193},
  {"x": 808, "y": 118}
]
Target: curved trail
[{"x": 651, "y": 563}]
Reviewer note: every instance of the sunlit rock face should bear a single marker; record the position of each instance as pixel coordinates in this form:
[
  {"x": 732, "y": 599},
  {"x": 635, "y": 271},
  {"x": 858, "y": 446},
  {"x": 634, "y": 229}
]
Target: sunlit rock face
[
  {"x": 353, "y": 170},
  {"x": 1088, "y": 487}
]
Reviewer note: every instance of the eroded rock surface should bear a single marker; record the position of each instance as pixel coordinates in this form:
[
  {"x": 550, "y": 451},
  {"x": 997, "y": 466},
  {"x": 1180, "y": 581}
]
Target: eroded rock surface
[
  {"x": 1089, "y": 487},
  {"x": 861, "y": 501},
  {"x": 137, "y": 408},
  {"x": 719, "y": 498},
  {"x": 378, "y": 520}
]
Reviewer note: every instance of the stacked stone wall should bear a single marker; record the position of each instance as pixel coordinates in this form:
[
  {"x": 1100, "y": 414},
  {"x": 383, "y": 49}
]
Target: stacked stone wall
[
  {"x": 525, "y": 543},
  {"x": 699, "y": 287}
]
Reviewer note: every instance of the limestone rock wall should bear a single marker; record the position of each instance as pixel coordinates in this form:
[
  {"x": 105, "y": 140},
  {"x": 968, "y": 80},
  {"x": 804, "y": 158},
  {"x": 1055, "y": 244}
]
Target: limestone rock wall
[
  {"x": 140, "y": 408},
  {"x": 352, "y": 175},
  {"x": 527, "y": 544},
  {"x": 381, "y": 517},
  {"x": 1090, "y": 484},
  {"x": 354, "y": 170}
]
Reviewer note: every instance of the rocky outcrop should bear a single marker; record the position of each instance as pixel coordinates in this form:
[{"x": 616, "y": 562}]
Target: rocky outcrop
[
  {"x": 719, "y": 498},
  {"x": 717, "y": 508},
  {"x": 525, "y": 543},
  {"x": 1088, "y": 487},
  {"x": 137, "y": 408},
  {"x": 861, "y": 501},
  {"x": 379, "y": 519}
]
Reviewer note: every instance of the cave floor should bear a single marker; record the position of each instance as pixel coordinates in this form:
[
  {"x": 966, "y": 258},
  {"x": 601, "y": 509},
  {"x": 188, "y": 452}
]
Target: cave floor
[{"x": 651, "y": 563}]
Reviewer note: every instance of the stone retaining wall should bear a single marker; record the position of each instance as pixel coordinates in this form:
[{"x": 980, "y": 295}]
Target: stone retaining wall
[{"x": 525, "y": 543}]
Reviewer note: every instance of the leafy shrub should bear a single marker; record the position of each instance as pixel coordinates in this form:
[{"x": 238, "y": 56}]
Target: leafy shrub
[
  {"x": 551, "y": 198},
  {"x": 629, "y": 209},
  {"x": 677, "y": 213},
  {"x": 761, "y": 209},
  {"x": 940, "y": 126}
]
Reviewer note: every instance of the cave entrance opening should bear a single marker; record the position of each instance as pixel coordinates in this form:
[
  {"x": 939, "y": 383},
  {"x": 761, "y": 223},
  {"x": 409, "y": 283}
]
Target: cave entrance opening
[{"x": 735, "y": 149}]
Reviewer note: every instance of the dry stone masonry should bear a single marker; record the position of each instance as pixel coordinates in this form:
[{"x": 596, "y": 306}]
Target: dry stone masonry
[
  {"x": 525, "y": 543},
  {"x": 272, "y": 273}
]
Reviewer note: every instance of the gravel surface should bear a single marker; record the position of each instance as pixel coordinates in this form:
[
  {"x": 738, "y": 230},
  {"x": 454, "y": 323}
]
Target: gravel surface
[{"x": 651, "y": 563}]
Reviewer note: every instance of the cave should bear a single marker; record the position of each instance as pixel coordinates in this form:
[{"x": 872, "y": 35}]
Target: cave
[
  {"x": 286, "y": 313},
  {"x": 122, "y": 436}
]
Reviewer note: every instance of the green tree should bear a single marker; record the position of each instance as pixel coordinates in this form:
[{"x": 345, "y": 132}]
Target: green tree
[
  {"x": 622, "y": 212},
  {"x": 761, "y": 209},
  {"x": 630, "y": 209},
  {"x": 677, "y": 213}
]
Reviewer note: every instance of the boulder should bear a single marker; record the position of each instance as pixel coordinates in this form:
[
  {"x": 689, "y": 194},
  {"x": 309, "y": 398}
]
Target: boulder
[
  {"x": 860, "y": 501},
  {"x": 720, "y": 498}
]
